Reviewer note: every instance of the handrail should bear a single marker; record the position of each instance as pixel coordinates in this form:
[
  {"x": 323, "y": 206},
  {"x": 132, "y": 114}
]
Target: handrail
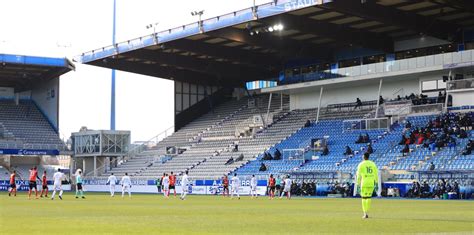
[{"x": 134, "y": 149}]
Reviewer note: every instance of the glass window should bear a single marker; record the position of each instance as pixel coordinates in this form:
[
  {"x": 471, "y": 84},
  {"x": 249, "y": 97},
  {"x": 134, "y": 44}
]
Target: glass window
[
  {"x": 441, "y": 84},
  {"x": 429, "y": 85}
]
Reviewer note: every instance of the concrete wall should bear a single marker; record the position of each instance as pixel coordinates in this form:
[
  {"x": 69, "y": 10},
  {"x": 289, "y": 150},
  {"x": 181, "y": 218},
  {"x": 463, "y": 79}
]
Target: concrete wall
[
  {"x": 46, "y": 96},
  {"x": 7, "y": 93},
  {"x": 418, "y": 42},
  {"x": 461, "y": 98},
  {"x": 366, "y": 91}
]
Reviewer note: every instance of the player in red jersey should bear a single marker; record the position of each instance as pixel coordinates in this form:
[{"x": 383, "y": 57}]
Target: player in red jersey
[
  {"x": 33, "y": 177},
  {"x": 225, "y": 184},
  {"x": 172, "y": 184},
  {"x": 12, "y": 184},
  {"x": 271, "y": 185},
  {"x": 44, "y": 185}
]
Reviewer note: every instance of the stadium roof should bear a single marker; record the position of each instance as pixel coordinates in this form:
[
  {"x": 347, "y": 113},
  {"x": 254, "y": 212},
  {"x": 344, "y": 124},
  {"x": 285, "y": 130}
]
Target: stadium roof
[
  {"x": 23, "y": 72},
  {"x": 252, "y": 45}
]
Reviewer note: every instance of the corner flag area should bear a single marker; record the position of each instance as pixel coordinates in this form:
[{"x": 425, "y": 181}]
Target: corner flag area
[{"x": 153, "y": 214}]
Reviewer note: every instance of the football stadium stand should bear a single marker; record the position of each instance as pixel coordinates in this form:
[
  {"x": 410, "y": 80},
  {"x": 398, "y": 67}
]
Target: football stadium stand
[
  {"x": 29, "y": 110},
  {"x": 24, "y": 125},
  {"x": 301, "y": 88},
  {"x": 317, "y": 73}
]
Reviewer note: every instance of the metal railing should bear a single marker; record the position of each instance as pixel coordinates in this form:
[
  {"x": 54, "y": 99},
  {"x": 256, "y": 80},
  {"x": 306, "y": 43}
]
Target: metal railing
[
  {"x": 365, "y": 124},
  {"x": 20, "y": 145},
  {"x": 151, "y": 142},
  {"x": 460, "y": 84},
  {"x": 446, "y": 61},
  {"x": 426, "y": 108}
]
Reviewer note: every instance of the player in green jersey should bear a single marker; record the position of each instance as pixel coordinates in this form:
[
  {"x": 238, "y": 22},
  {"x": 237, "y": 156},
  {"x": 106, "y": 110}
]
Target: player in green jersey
[{"x": 367, "y": 181}]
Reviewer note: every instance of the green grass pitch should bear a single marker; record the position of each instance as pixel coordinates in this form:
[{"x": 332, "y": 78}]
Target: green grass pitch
[{"x": 152, "y": 214}]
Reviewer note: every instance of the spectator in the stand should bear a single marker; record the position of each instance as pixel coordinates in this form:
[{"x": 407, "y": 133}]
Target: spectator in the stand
[
  {"x": 325, "y": 151},
  {"x": 240, "y": 157},
  {"x": 267, "y": 156},
  {"x": 262, "y": 167},
  {"x": 403, "y": 140},
  {"x": 308, "y": 123},
  {"x": 425, "y": 190},
  {"x": 277, "y": 155},
  {"x": 462, "y": 134},
  {"x": 452, "y": 143},
  {"x": 469, "y": 148},
  {"x": 230, "y": 161},
  {"x": 440, "y": 98},
  {"x": 455, "y": 188},
  {"x": 432, "y": 166},
  {"x": 399, "y": 98},
  {"x": 358, "y": 103},
  {"x": 366, "y": 138},
  {"x": 406, "y": 149},
  {"x": 363, "y": 139},
  {"x": 465, "y": 122},
  {"x": 370, "y": 150},
  {"x": 381, "y": 100},
  {"x": 415, "y": 190},
  {"x": 348, "y": 151}
]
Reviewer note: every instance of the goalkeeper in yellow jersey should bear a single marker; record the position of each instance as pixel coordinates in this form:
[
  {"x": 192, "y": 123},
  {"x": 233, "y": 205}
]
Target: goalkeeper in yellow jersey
[{"x": 367, "y": 181}]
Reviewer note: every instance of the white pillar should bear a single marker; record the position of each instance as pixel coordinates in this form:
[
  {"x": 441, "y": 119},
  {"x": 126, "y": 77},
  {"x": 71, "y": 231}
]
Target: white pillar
[
  {"x": 268, "y": 109},
  {"x": 83, "y": 165},
  {"x": 281, "y": 100},
  {"x": 95, "y": 166},
  {"x": 319, "y": 105},
  {"x": 378, "y": 98}
]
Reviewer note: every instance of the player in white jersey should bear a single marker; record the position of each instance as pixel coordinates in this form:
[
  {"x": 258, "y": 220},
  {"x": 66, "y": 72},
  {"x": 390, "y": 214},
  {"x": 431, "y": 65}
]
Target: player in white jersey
[
  {"x": 57, "y": 185},
  {"x": 287, "y": 188},
  {"x": 112, "y": 180},
  {"x": 126, "y": 183},
  {"x": 166, "y": 185},
  {"x": 235, "y": 186},
  {"x": 184, "y": 185},
  {"x": 253, "y": 186}
]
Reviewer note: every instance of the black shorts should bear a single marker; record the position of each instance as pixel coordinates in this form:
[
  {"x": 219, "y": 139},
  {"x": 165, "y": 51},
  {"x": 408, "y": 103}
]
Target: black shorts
[
  {"x": 79, "y": 186},
  {"x": 226, "y": 187},
  {"x": 13, "y": 185},
  {"x": 272, "y": 188},
  {"x": 278, "y": 187},
  {"x": 172, "y": 187},
  {"x": 45, "y": 186},
  {"x": 32, "y": 184}
]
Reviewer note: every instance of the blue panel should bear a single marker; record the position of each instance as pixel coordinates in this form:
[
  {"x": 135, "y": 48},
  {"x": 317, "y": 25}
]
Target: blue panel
[
  {"x": 33, "y": 60},
  {"x": 29, "y": 151}
]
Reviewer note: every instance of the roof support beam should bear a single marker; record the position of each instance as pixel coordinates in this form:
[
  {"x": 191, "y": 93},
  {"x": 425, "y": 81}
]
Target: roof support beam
[
  {"x": 340, "y": 33},
  {"x": 371, "y": 10},
  {"x": 286, "y": 48},
  {"x": 240, "y": 55},
  {"x": 201, "y": 65},
  {"x": 166, "y": 72}
]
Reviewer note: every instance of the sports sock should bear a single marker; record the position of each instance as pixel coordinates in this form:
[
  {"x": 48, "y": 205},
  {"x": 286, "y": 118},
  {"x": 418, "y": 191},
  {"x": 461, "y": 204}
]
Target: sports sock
[
  {"x": 54, "y": 193},
  {"x": 369, "y": 201},
  {"x": 61, "y": 192},
  {"x": 364, "y": 208}
]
